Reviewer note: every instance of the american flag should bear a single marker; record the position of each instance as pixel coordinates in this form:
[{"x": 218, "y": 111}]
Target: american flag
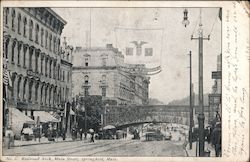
[{"x": 6, "y": 77}]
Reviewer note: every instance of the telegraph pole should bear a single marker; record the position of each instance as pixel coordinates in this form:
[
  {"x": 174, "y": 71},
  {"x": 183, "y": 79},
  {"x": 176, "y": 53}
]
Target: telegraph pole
[
  {"x": 201, "y": 117},
  {"x": 191, "y": 103}
]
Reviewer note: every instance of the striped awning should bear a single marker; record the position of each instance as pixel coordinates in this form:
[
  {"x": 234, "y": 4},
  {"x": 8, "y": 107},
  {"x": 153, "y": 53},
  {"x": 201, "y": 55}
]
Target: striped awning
[
  {"x": 45, "y": 117},
  {"x": 17, "y": 119}
]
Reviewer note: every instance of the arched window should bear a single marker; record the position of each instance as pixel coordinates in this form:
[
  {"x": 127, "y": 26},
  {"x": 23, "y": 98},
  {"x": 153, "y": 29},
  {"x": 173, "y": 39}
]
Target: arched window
[
  {"x": 36, "y": 92},
  {"x": 6, "y": 15},
  {"x": 24, "y": 26},
  {"x": 13, "y": 51},
  {"x": 31, "y": 30},
  {"x": 18, "y": 88},
  {"x": 42, "y": 34},
  {"x": 19, "y": 24},
  {"x": 30, "y": 90},
  {"x": 54, "y": 45},
  {"x": 37, "y": 33},
  {"x": 86, "y": 79},
  {"x": 46, "y": 39},
  {"x": 24, "y": 89},
  {"x": 50, "y": 41},
  {"x": 13, "y": 15}
]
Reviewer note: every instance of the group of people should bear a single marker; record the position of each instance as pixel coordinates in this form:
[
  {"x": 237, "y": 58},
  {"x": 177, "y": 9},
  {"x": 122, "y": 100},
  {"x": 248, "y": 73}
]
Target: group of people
[
  {"x": 213, "y": 135},
  {"x": 75, "y": 132}
]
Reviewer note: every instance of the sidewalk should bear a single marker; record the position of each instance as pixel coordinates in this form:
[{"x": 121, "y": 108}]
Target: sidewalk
[
  {"x": 43, "y": 140},
  {"x": 192, "y": 152}
]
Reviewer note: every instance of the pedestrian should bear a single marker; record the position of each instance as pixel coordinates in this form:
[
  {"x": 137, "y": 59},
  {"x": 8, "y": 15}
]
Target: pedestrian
[
  {"x": 85, "y": 135},
  {"x": 80, "y": 132},
  {"x": 216, "y": 139},
  {"x": 92, "y": 136}
]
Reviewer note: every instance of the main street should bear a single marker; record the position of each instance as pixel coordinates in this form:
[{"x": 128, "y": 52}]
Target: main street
[{"x": 102, "y": 148}]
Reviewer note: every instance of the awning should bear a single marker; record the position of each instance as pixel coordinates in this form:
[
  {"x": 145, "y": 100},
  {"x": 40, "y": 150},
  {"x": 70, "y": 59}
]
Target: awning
[
  {"x": 45, "y": 117},
  {"x": 17, "y": 119}
]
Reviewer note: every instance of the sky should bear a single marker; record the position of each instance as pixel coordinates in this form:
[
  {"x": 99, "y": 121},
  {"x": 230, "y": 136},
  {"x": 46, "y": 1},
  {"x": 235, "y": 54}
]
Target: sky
[{"x": 173, "y": 82}]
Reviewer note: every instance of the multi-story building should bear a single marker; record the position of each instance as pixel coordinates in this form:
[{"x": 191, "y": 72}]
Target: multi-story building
[
  {"x": 102, "y": 71},
  {"x": 215, "y": 96},
  {"x": 40, "y": 69}
]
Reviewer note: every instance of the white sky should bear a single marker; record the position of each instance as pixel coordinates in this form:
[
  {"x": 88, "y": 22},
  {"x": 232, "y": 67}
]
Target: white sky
[{"x": 173, "y": 82}]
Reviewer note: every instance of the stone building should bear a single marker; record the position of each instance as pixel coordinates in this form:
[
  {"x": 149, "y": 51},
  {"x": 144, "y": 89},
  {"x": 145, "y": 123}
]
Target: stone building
[
  {"x": 102, "y": 71},
  {"x": 40, "y": 69}
]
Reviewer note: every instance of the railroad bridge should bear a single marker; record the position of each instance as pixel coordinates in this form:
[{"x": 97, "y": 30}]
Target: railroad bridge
[{"x": 122, "y": 116}]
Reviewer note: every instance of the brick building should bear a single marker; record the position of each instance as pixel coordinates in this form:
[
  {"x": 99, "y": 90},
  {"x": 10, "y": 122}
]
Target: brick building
[
  {"x": 100, "y": 71},
  {"x": 40, "y": 68}
]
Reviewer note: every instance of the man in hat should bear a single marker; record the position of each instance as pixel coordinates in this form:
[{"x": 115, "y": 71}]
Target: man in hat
[{"x": 216, "y": 139}]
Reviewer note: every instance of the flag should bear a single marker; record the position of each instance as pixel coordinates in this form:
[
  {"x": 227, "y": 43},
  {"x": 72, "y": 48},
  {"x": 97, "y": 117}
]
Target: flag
[
  {"x": 148, "y": 51},
  {"x": 6, "y": 78},
  {"x": 129, "y": 51},
  {"x": 136, "y": 44}
]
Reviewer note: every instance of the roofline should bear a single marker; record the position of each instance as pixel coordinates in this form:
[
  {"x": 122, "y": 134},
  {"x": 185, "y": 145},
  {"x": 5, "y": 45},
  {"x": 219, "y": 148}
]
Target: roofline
[{"x": 56, "y": 15}]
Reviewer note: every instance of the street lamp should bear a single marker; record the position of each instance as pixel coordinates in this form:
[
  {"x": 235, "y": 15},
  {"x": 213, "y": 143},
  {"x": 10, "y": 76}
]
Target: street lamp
[{"x": 185, "y": 21}]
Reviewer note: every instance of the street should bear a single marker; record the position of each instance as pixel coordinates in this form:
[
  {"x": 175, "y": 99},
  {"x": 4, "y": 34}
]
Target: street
[{"x": 102, "y": 148}]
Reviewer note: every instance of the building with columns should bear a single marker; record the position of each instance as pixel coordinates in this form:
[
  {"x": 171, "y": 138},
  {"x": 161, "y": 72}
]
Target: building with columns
[
  {"x": 102, "y": 71},
  {"x": 40, "y": 67}
]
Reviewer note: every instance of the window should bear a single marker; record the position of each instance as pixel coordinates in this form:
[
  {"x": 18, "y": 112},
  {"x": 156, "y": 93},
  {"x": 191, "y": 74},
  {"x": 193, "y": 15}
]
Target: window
[
  {"x": 19, "y": 24},
  {"x": 68, "y": 76},
  {"x": 36, "y": 91},
  {"x": 37, "y": 33},
  {"x": 30, "y": 90},
  {"x": 30, "y": 58},
  {"x": 18, "y": 87},
  {"x": 24, "y": 26},
  {"x": 42, "y": 34},
  {"x": 104, "y": 91},
  {"x": 50, "y": 62},
  {"x": 46, "y": 39},
  {"x": 6, "y": 50},
  {"x": 41, "y": 64},
  {"x": 46, "y": 62},
  {"x": 36, "y": 62},
  {"x": 50, "y": 41},
  {"x": 13, "y": 19},
  {"x": 13, "y": 51},
  {"x": 41, "y": 94},
  {"x": 24, "y": 89},
  {"x": 18, "y": 53},
  {"x": 58, "y": 46},
  {"x": 24, "y": 56},
  {"x": 54, "y": 45},
  {"x": 63, "y": 75},
  {"x": 31, "y": 30},
  {"x": 6, "y": 15},
  {"x": 86, "y": 79}
]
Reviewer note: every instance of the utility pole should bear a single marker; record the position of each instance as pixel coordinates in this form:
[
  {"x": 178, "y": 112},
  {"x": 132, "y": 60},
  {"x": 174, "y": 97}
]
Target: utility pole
[
  {"x": 201, "y": 117},
  {"x": 191, "y": 103}
]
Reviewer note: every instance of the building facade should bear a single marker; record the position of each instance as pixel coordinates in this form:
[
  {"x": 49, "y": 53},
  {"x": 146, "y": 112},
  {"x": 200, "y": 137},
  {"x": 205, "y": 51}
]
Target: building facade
[
  {"x": 102, "y": 71},
  {"x": 215, "y": 97},
  {"x": 40, "y": 68}
]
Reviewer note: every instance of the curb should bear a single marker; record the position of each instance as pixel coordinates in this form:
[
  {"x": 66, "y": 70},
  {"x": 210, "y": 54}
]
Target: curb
[{"x": 43, "y": 143}]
